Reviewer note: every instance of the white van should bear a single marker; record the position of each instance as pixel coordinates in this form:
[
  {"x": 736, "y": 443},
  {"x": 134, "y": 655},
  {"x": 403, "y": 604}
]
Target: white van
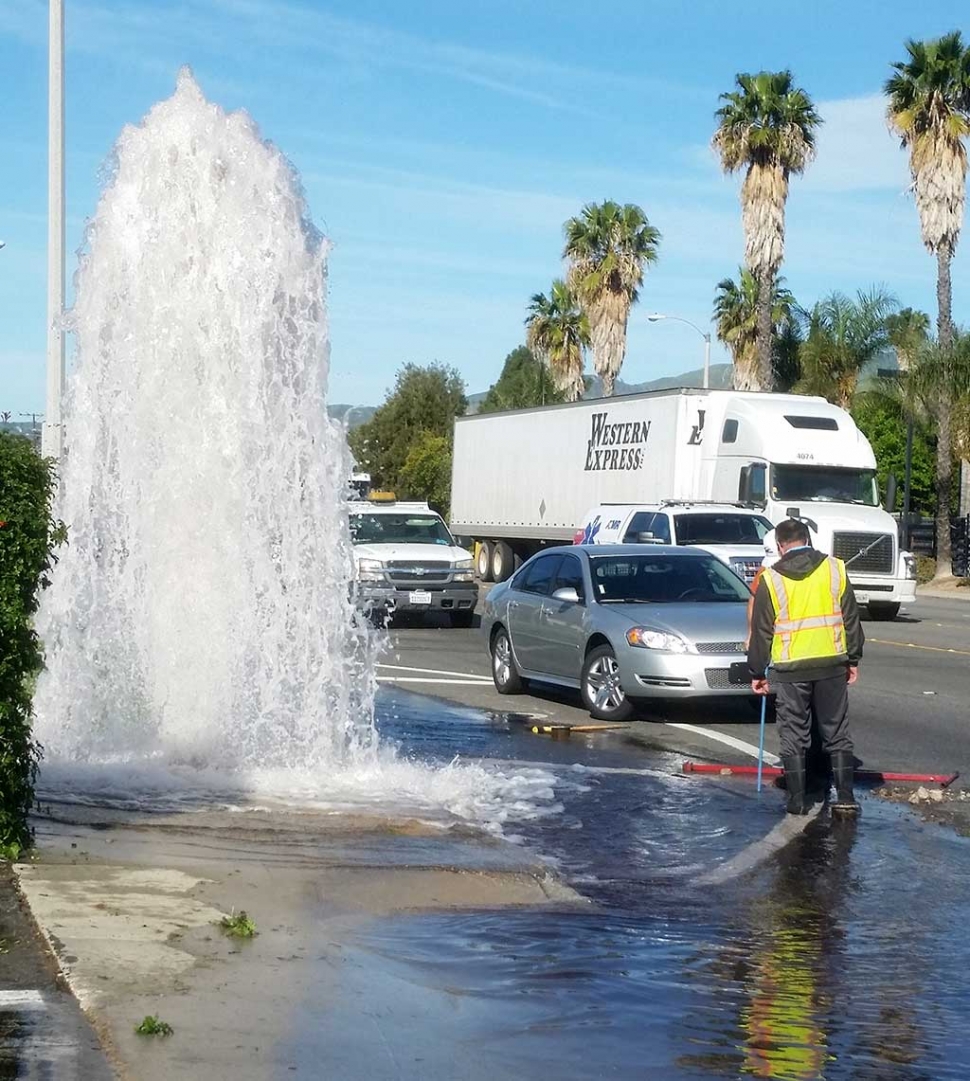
[{"x": 734, "y": 534}]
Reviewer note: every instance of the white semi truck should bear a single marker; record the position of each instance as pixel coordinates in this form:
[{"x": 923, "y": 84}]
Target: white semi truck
[{"x": 525, "y": 479}]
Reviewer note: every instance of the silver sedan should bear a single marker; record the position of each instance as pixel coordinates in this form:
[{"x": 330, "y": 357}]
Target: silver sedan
[{"x": 620, "y": 623}]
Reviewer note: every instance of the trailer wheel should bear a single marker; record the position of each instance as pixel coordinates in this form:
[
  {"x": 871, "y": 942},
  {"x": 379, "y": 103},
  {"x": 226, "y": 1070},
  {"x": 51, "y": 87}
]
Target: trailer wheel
[
  {"x": 883, "y": 609},
  {"x": 483, "y": 561},
  {"x": 502, "y": 562}
]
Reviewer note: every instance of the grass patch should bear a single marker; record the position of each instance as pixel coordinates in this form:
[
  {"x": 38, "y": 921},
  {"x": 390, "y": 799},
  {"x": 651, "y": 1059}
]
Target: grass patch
[
  {"x": 152, "y": 1026},
  {"x": 238, "y": 925},
  {"x": 10, "y": 852}
]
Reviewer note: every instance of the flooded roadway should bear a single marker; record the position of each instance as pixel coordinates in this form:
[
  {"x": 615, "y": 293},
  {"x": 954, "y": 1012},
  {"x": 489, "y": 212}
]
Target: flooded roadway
[{"x": 842, "y": 956}]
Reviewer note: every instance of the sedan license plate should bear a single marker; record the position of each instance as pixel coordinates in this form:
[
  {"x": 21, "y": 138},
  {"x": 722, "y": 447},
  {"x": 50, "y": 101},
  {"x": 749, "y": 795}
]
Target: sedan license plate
[
  {"x": 420, "y": 596},
  {"x": 739, "y": 673}
]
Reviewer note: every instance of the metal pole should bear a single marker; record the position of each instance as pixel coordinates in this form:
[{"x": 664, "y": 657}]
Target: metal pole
[
  {"x": 907, "y": 479},
  {"x": 52, "y": 436},
  {"x": 707, "y": 361}
]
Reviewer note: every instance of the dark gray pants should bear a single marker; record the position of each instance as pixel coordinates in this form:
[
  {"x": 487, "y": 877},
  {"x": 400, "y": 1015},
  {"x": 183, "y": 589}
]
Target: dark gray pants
[{"x": 829, "y": 698}]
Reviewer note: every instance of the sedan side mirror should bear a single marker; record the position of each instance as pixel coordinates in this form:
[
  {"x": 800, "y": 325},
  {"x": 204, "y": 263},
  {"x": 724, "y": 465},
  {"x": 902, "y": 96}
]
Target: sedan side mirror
[{"x": 567, "y": 593}]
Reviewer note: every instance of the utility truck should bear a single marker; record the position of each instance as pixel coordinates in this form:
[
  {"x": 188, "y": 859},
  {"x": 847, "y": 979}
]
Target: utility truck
[{"x": 526, "y": 479}]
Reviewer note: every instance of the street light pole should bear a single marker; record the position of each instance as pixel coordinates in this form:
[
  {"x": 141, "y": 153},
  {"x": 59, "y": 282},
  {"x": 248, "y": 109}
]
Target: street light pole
[
  {"x": 656, "y": 317},
  {"x": 52, "y": 436}
]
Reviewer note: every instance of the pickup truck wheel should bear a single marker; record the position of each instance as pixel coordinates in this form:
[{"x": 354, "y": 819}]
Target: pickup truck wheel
[
  {"x": 505, "y": 674},
  {"x": 600, "y": 687},
  {"x": 883, "y": 609},
  {"x": 483, "y": 561},
  {"x": 502, "y": 562}
]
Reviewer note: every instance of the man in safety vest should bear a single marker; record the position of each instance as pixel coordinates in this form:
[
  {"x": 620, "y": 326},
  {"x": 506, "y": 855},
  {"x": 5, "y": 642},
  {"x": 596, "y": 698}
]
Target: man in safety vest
[{"x": 805, "y": 626}]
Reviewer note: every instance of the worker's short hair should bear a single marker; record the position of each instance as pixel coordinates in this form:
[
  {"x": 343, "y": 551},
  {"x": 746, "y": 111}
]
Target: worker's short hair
[{"x": 791, "y": 531}]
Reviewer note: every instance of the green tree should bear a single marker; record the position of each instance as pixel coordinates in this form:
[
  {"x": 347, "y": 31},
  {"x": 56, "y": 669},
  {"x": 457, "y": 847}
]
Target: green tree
[
  {"x": 882, "y": 420},
  {"x": 843, "y": 336},
  {"x": 557, "y": 332},
  {"x": 523, "y": 383},
  {"x": 929, "y": 108},
  {"x": 28, "y": 536},
  {"x": 908, "y": 332},
  {"x": 609, "y": 247},
  {"x": 766, "y": 127},
  {"x": 423, "y": 401},
  {"x": 736, "y": 323},
  {"x": 786, "y": 348},
  {"x": 426, "y": 473}
]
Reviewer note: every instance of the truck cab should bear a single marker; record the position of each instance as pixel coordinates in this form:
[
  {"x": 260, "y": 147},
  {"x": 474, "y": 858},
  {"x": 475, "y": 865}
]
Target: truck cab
[
  {"x": 405, "y": 559},
  {"x": 733, "y": 533},
  {"x": 802, "y": 457}
]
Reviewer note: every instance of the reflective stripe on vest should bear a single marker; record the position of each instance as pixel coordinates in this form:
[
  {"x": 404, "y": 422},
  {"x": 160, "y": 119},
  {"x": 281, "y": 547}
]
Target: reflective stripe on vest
[{"x": 808, "y": 614}]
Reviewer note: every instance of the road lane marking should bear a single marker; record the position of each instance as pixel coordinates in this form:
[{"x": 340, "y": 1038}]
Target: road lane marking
[
  {"x": 433, "y": 671},
  {"x": 472, "y": 682},
  {"x": 22, "y": 1000},
  {"x": 730, "y": 741},
  {"x": 913, "y": 645}
]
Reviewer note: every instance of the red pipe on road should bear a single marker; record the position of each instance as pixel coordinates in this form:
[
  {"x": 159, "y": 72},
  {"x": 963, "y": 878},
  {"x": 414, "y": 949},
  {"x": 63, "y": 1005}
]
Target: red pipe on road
[{"x": 879, "y": 776}]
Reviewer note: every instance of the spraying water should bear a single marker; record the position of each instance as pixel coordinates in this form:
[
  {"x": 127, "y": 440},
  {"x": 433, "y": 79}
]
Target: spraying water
[
  {"x": 202, "y": 606},
  {"x": 199, "y": 629}
]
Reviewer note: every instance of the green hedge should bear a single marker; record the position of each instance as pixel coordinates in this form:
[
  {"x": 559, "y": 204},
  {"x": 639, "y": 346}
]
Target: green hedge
[{"x": 28, "y": 536}]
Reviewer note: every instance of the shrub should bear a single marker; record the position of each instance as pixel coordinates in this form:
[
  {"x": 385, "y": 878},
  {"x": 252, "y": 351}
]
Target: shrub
[{"x": 28, "y": 536}]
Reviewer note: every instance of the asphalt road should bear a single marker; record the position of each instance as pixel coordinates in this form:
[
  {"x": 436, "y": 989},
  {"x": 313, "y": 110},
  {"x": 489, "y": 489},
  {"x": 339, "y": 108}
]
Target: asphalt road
[{"x": 909, "y": 711}]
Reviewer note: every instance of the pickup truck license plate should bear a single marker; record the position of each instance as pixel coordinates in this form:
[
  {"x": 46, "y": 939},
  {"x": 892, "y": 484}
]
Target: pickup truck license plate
[{"x": 420, "y": 596}]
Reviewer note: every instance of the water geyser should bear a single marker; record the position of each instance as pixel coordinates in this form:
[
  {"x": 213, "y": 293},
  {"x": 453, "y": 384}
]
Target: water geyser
[{"x": 201, "y": 613}]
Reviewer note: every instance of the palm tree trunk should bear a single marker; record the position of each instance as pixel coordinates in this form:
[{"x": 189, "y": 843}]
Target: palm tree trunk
[
  {"x": 944, "y": 437},
  {"x": 765, "y": 332}
]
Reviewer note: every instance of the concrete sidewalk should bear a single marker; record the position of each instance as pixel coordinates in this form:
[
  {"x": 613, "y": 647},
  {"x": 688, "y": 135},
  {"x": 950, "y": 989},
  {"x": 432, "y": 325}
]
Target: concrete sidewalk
[{"x": 131, "y": 908}]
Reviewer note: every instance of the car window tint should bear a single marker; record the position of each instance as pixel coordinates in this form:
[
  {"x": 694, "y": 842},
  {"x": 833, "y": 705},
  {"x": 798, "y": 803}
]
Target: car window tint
[
  {"x": 570, "y": 576},
  {"x": 721, "y": 528},
  {"x": 645, "y": 579},
  {"x": 540, "y": 575},
  {"x": 648, "y": 522}
]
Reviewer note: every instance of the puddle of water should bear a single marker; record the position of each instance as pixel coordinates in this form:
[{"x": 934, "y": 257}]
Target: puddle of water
[{"x": 844, "y": 956}]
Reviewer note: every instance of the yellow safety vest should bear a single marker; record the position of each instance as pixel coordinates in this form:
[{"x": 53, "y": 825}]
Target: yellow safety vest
[{"x": 808, "y": 616}]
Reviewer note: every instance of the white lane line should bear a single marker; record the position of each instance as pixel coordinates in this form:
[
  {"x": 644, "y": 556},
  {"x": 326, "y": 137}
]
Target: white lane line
[
  {"x": 729, "y": 741},
  {"x": 749, "y": 858},
  {"x": 22, "y": 1000},
  {"x": 470, "y": 682},
  {"x": 433, "y": 671}
]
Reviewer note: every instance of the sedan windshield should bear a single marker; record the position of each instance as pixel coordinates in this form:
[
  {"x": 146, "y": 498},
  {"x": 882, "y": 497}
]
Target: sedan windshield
[
  {"x": 399, "y": 529},
  {"x": 823, "y": 485},
  {"x": 645, "y": 579}
]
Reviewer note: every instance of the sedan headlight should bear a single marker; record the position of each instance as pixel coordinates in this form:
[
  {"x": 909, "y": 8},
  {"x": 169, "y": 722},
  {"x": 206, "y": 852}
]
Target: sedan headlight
[
  {"x": 370, "y": 570},
  {"x": 909, "y": 565},
  {"x": 645, "y": 638}
]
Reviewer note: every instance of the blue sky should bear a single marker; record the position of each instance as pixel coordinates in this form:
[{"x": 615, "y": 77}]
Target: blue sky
[{"x": 443, "y": 144}]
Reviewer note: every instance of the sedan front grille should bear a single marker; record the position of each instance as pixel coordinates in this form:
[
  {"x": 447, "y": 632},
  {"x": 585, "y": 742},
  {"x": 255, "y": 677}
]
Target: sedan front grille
[
  {"x": 877, "y": 560},
  {"x": 719, "y": 679},
  {"x": 720, "y": 647}
]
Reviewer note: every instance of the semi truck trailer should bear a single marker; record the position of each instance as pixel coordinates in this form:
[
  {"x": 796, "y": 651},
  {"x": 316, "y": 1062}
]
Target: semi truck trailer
[{"x": 526, "y": 479}]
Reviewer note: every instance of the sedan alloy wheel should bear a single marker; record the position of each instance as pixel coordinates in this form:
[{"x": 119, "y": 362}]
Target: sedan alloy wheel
[
  {"x": 505, "y": 673},
  {"x": 602, "y": 694}
]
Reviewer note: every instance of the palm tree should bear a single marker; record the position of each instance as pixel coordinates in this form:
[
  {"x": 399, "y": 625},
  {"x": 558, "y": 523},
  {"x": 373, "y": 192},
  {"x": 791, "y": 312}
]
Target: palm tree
[
  {"x": 908, "y": 332},
  {"x": 929, "y": 108},
  {"x": 736, "y": 324},
  {"x": 557, "y": 332},
  {"x": 941, "y": 374},
  {"x": 767, "y": 127},
  {"x": 844, "y": 335},
  {"x": 608, "y": 248}
]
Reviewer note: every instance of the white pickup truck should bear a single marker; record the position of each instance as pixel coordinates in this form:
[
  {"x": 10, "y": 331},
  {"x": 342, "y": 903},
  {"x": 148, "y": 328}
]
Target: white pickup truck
[
  {"x": 405, "y": 559},
  {"x": 735, "y": 535}
]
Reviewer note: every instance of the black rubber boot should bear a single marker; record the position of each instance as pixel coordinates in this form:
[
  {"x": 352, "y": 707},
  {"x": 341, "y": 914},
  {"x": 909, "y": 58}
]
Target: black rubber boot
[
  {"x": 843, "y": 770},
  {"x": 795, "y": 783}
]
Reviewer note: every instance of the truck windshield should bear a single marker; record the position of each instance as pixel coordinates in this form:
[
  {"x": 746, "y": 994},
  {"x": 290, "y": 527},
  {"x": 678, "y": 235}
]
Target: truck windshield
[
  {"x": 801, "y": 483},
  {"x": 399, "y": 529},
  {"x": 647, "y": 579},
  {"x": 721, "y": 528}
]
